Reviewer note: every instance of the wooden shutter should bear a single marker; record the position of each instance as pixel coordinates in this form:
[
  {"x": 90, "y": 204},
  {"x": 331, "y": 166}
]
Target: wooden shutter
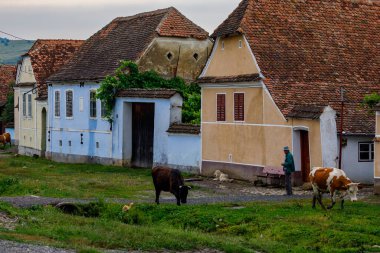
[
  {"x": 239, "y": 106},
  {"x": 69, "y": 103},
  {"x": 221, "y": 107}
]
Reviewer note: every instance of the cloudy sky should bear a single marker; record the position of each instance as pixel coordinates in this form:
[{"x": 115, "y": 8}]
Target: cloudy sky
[{"x": 79, "y": 19}]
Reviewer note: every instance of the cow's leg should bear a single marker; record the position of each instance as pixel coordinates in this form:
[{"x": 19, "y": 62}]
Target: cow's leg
[
  {"x": 342, "y": 204},
  {"x": 333, "y": 199},
  {"x": 320, "y": 201},
  {"x": 178, "y": 199},
  {"x": 314, "y": 200},
  {"x": 158, "y": 192}
]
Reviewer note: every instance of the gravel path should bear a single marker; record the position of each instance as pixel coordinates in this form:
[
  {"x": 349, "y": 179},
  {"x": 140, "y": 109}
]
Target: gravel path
[
  {"x": 16, "y": 247},
  {"x": 29, "y": 201}
]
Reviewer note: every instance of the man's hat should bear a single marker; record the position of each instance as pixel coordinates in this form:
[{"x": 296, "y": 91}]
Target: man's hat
[{"x": 286, "y": 148}]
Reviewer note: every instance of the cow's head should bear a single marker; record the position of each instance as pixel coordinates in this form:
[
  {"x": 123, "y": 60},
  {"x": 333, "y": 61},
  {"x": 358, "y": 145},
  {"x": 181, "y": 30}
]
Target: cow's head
[
  {"x": 352, "y": 189},
  {"x": 183, "y": 191}
]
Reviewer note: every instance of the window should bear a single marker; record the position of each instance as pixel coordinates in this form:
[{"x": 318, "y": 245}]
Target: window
[
  {"x": 240, "y": 44},
  {"x": 221, "y": 107},
  {"x": 222, "y": 45},
  {"x": 239, "y": 106},
  {"x": 29, "y": 105},
  {"x": 24, "y": 104},
  {"x": 366, "y": 151},
  {"x": 103, "y": 109},
  {"x": 93, "y": 104},
  {"x": 57, "y": 104},
  {"x": 196, "y": 56},
  {"x": 69, "y": 103}
]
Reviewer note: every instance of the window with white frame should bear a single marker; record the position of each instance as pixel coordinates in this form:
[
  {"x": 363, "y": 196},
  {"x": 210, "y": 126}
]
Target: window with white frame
[
  {"x": 24, "y": 105},
  {"x": 93, "y": 104},
  {"x": 366, "y": 151},
  {"x": 103, "y": 109},
  {"x": 69, "y": 103},
  {"x": 57, "y": 104},
  {"x": 29, "y": 105}
]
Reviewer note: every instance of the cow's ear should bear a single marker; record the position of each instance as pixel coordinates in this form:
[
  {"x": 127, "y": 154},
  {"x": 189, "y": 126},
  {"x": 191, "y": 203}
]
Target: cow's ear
[{"x": 189, "y": 187}]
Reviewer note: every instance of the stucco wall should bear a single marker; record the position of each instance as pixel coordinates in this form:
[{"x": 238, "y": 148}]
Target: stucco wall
[
  {"x": 253, "y": 104},
  {"x": 64, "y": 131},
  {"x": 377, "y": 155},
  {"x": 184, "y": 152},
  {"x": 259, "y": 140},
  {"x": 328, "y": 137},
  {"x": 182, "y": 59},
  {"x": 232, "y": 60},
  {"x": 357, "y": 171},
  {"x": 16, "y": 114}
]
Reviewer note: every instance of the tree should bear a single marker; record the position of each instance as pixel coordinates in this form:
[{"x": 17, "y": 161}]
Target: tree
[
  {"x": 370, "y": 101},
  {"x": 8, "y": 113},
  {"x": 128, "y": 76}
]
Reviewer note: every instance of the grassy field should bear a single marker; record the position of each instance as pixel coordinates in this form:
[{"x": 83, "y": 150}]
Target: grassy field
[
  {"x": 291, "y": 226},
  {"x": 29, "y": 176}
]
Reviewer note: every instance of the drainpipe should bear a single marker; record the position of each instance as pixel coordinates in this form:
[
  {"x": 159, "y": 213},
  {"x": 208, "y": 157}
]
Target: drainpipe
[{"x": 341, "y": 127}]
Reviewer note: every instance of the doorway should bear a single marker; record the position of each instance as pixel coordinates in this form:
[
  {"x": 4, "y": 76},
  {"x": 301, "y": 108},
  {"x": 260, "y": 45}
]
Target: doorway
[
  {"x": 43, "y": 131},
  {"x": 142, "y": 134},
  {"x": 305, "y": 155}
]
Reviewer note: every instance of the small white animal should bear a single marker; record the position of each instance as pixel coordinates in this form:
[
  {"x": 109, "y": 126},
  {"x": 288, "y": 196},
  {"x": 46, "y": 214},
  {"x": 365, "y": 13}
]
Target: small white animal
[{"x": 222, "y": 177}]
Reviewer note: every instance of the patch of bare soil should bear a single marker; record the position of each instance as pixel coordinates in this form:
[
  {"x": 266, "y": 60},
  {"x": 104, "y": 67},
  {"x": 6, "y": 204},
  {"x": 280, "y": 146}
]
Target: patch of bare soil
[{"x": 8, "y": 222}]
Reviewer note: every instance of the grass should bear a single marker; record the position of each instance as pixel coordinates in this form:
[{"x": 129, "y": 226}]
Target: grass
[
  {"x": 267, "y": 227},
  {"x": 290, "y": 226},
  {"x": 29, "y": 176}
]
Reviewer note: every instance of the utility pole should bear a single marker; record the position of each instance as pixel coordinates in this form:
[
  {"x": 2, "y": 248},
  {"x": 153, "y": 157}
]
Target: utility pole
[{"x": 341, "y": 126}]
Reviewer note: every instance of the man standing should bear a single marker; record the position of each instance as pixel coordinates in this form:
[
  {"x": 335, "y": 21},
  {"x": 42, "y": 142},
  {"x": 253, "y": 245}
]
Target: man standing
[{"x": 288, "y": 169}]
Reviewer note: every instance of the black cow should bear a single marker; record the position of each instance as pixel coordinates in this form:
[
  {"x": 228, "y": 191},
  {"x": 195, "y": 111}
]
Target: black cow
[{"x": 169, "y": 180}]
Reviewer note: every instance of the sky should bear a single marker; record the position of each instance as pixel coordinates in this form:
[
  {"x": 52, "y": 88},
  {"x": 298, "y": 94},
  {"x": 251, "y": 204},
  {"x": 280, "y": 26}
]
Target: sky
[{"x": 79, "y": 19}]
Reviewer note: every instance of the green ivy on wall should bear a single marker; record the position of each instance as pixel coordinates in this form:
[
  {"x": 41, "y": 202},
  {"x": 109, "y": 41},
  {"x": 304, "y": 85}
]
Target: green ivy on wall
[{"x": 128, "y": 76}]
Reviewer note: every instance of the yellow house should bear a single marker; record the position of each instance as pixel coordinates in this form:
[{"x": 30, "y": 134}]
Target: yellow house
[
  {"x": 43, "y": 59},
  {"x": 377, "y": 151},
  {"x": 274, "y": 79}
]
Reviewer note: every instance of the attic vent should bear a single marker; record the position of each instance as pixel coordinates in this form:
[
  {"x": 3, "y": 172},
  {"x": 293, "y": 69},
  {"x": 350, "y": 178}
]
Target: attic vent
[
  {"x": 196, "y": 56},
  {"x": 169, "y": 56}
]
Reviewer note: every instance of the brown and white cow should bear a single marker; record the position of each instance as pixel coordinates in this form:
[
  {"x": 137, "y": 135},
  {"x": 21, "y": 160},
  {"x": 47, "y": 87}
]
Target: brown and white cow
[{"x": 333, "y": 181}]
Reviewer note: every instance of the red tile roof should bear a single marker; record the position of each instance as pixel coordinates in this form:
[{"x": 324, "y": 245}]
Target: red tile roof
[
  {"x": 307, "y": 50},
  {"x": 48, "y": 56},
  {"x": 125, "y": 38},
  {"x": 147, "y": 93},
  {"x": 184, "y": 129},
  {"x": 7, "y": 77},
  {"x": 228, "y": 79}
]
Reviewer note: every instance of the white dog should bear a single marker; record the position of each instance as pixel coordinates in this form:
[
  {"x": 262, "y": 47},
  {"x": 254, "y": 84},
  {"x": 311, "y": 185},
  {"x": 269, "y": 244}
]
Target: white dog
[{"x": 222, "y": 177}]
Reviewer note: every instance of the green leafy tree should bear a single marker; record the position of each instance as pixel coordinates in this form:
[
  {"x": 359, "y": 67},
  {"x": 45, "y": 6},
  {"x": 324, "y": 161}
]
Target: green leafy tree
[
  {"x": 128, "y": 76},
  {"x": 8, "y": 113},
  {"x": 370, "y": 101}
]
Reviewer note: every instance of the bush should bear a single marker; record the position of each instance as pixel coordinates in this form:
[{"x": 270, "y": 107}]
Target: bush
[{"x": 128, "y": 76}]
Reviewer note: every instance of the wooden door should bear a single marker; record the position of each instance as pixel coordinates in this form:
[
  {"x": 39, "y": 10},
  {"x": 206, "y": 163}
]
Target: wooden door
[
  {"x": 305, "y": 156},
  {"x": 142, "y": 134}
]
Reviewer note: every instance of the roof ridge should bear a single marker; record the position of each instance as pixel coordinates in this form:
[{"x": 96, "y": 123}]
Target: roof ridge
[{"x": 145, "y": 14}]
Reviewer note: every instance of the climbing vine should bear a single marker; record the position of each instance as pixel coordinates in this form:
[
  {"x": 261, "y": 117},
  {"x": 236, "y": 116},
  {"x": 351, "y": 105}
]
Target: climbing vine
[
  {"x": 370, "y": 101},
  {"x": 129, "y": 76}
]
